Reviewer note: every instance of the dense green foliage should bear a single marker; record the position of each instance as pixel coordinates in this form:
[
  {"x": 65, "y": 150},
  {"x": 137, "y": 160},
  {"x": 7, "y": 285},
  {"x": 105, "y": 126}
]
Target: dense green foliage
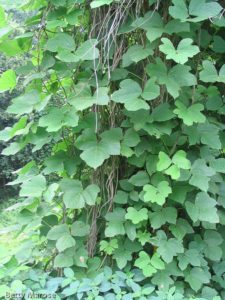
[
  {"x": 8, "y": 164},
  {"x": 125, "y": 99}
]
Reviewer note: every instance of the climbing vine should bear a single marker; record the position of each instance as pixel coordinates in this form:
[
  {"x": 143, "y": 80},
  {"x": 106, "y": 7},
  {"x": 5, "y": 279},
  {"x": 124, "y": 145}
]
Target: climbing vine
[{"x": 127, "y": 99}]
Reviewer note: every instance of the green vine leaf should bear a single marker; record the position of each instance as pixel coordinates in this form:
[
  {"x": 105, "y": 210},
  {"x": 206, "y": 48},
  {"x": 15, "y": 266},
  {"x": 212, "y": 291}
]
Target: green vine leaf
[
  {"x": 131, "y": 138},
  {"x": 163, "y": 216},
  {"x": 7, "y": 81},
  {"x": 179, "y": 10},
  {"x": 128, "y": 94},
  {"x": 3, "y": 21},
  {"x": 65, "y": 242},
  {"x": 201, "y": 174},
  {"x": 210, "y": 74},
  {"x": 31, "y": 98},
  {"x": 80, "y": 229},
  {"x": 200, "y": 10},
  {"x": 135, "y": 54},
  {"x": 95, "y": 153},
  {"x": 114, "y": 228},
  {"x": 75, "y": 196},
  {"x": 180, "y": 160},
  {"x": 136, "y": 216},
  {"x": 62, "y": 260},
  {"x": 203, "y": 10},
  {"x": 58, "y": 3},
  {"x": 123, "y": 254},
  {"x": 57, "y": 232},
  {"x": 87, "y": 50},
  {"x": 12, "y": 149},
  {"x": 33, "y": 187},
  {"x": 60, "y": 41},
  {"x": 164, "y": 161},
  {"x": 162, "y": 113},
  {"x": 115, "y": 225},
  {"x": 11, "y": 48},
  {"x": 184, "y": 50},
  {"x": 151, "y": 90},
  {"x": 172, "y": 166},
  {"x": 191, "y": 114},
  {"x": 157, "y": 194},
  {"x": 57, "y": 118},
  {"x": 148, "y": 265},
  {"x": 190, "y": 257},
  {"x": 72, "y": 193},
  {"x": 213, "y": 241},
  {"x": 174, "y": 79},
  {"x": 181, "y": 228},
  {"x": 90, "y": 194},
  {"x": 168, "y": 248},
  {"x": 143, "y": 237},
  {"x": 98, "y": 3},
  {"x": 218, "y": 44},
  {"x": 204, "y": 209},
  {"x": 18, "y": 128},
  {"x": 82, "y": 102},
  {"x": 197, "y": 277},
  {"x": 209, "y": 135},
  {"x": 129, "y": 89},
  {"x": 173, "y": 171},
  {"x": 109, "y": 247},
  {"x": 139, "y": 179}
]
